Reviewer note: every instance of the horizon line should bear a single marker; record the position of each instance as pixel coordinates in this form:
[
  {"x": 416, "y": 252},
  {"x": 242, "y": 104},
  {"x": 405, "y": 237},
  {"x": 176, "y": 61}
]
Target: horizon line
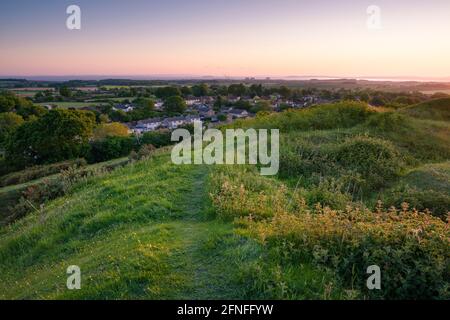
[{"x": 153, "y": 77}]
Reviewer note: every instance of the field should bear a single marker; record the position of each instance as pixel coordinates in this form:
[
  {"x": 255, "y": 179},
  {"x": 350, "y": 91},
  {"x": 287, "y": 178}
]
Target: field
[
  {"x": 154, "y": 230},
  {"x": 29, "y": 92},
  {"x": 431, "y": 92},
  {"x": 66, "y": 105}
]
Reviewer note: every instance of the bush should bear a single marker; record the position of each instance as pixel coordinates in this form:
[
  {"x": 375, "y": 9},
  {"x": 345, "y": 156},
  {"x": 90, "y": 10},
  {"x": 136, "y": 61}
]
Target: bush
[
  {"x": 388, "y": 121},
  {"x": 323, "y": 117},
  {"x": 110, "y": 148},
  {"x": 411, "y": 248},
  {"x": 157, "y": 138},
  {"x": 37, "y": 172},
  {"x": 242, "y": 193},
  {"x": 378, "y": 161},
  {"x": 145, "y": 152},
  {"x": 328, "y": 193},
  {"x": 436, "y": 202},
  {"x": 35, "y": 196}
]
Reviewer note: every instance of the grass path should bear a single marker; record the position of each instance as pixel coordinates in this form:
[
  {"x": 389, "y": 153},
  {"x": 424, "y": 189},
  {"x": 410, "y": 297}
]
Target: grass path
[
  {"x": 142, "y": 232},
  {"x": 199, "y": 261}
]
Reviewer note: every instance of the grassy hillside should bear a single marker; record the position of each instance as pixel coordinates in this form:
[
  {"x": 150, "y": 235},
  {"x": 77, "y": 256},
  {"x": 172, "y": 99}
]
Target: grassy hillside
[
  {"x": 145, "y": 231},
  {"x": 438, "y": 109},
  {"x": 153, "y": 230}
]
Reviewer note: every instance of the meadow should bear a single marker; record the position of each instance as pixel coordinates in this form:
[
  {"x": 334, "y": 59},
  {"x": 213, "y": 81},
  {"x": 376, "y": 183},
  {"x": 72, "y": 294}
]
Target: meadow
[{"x": 357, "y": 186}]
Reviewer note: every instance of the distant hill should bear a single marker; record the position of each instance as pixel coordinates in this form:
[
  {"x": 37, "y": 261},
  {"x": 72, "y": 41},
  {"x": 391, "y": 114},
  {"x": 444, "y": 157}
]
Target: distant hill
[{"x": 438, "y": 109}]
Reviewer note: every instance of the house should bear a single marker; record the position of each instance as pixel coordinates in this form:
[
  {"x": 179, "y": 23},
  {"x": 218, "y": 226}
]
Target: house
[
  {"x": 159, "y": 105},
  {"x": 239, "y": 113},
  {"x": 204, "y": 111},
  {"x": 124, "y": 107},
  {"x": 175, "y": 122},
  {"x": 147, "y": 125},
  {"x": 192, "y": 101}
]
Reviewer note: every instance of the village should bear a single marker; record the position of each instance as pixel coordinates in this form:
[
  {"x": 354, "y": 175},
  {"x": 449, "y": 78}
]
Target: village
[{"x": 203, "y": 109}]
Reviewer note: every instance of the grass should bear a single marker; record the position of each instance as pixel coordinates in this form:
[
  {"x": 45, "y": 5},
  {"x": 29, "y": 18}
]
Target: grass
[
  {"x": 9, "y": 195},
  {"x": 438, "y": 109},
  {"x": 145, "y": 231},
  {"x": 67, "y": 105},
  {"x": 154, "y": 230}
]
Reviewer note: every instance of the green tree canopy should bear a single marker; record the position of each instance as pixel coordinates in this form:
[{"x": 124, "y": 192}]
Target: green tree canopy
[
  {"x": 58, "y": 135},
  {"x": 200, "y": 90},
  {"x": 9, "y": 122},
  {"x": 65, "y": 91},
  {"x": 175, "y": 104},
  {"x": 166, "y": 92},
  {"x": 237, "y": 89}
]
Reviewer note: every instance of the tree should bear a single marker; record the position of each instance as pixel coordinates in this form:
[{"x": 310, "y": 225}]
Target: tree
[
  {"x": 29, "y": 110},
  {"x": 9, "y": 122},
  {"x": 58, "y": 135},
  {"x": 200, "y": 90},
  {"x": 110, "y": 148},
  {"x": 145, "y": 103},
  {"x": 285, "y": 92},
  {"x": 218, "y": 103},
  {"x": 64, "y": 91},
  {"x": 186, "y": 91},
  {"x": 256, "y": 90},
  {"x": 103, "y": 118},
  {"x": 114, "y": 129},
  {"x": 6, "y": 104},
  {"x": 238, "y": 90},
  {"x": 378, "y": 101},
  {"x": 166, "y": 92},
  {"x": 157, "y": 138},
  {"x": 261, "y": 106},
  {"x": 175, "y": 104}
]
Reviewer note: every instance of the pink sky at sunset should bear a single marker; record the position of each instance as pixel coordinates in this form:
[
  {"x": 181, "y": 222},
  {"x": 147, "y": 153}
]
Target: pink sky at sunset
[{"x": 232, "y": 38}]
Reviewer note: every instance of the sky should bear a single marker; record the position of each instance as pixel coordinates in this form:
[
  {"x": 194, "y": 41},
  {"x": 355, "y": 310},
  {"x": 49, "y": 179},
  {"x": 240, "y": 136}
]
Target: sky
[{"x": 258, "y": 38}]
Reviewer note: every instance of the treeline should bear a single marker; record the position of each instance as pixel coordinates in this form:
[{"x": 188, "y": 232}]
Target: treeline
[{"x": 31, "y": 135}]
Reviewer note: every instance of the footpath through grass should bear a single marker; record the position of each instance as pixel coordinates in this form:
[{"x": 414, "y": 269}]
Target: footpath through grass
[{"x": 142, "y": 232}]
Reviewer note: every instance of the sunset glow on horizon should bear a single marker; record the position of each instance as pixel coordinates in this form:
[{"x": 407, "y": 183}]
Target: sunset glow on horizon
[{"x": 226, "y": 38}]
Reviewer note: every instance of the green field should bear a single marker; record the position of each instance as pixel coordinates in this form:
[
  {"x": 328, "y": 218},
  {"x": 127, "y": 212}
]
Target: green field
[{"x": 67, "y": 105}]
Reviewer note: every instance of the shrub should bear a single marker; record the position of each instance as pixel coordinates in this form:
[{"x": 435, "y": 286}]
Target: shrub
[
  {"x": 328, "y": 193},
  {"x": 411, "y": 248},
  {"x": 242, "y": 193},
  {"x": 146, "y": 151},
  {"x": 114, "y": 129},
  {"x": 157, "y": 138},
  {"x": 35, "y": 196},
  {"x": 110, "y": 148},
  {"x": 377, "y": 160},
  {"x": 436, "y": 202},
  {"x": 37, "y": 172},
  {"x": 388, "y": 121},
  {"x": 345, "y": 114}
]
